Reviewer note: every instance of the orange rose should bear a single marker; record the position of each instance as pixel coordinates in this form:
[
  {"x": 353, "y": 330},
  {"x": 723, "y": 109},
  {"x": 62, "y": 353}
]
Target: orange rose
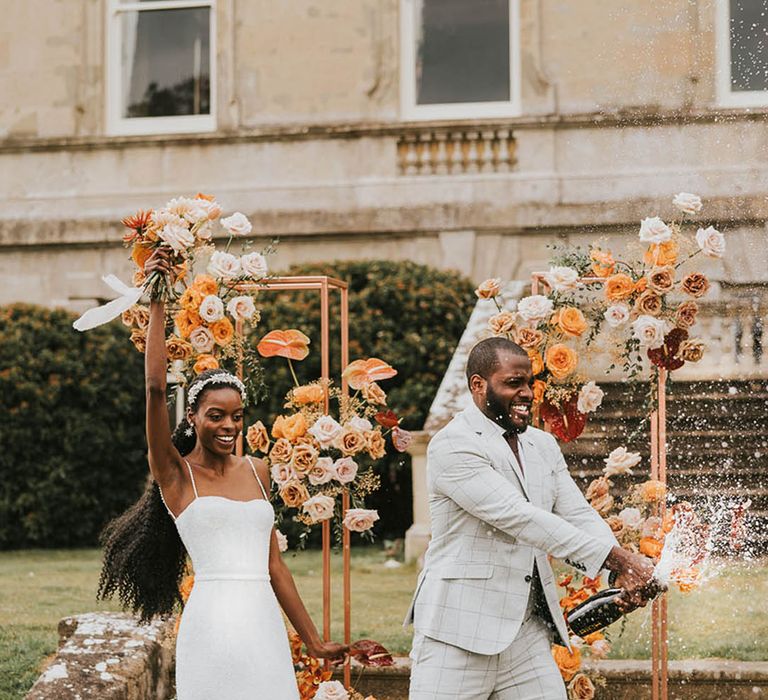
[
  {"x": 350, "y": 442},
  {"x": 281, "y": 451},
  {"x": 619, "y": 287},
  {"x": 187, "y": 320},
  {"x": 696, "y": 284},
  {"x": 568, "y": 662},
  {"x": 141, "y": 316},
  {"x": 603, "y": 263},
  {"x": 139, "y": 339},
  {"x": 652, "y": 490},
  {"x": 662, "y": 254},
  {"x": 191, "y": 299},
  {"x": 641, "y": 285},
  {"x": 222, "y": 331},
  {"x": 177, "y": 349},
  {"x": 537, "y": 364},
  {"x": 648, "y": 303},
  {"x": 294, "y": 493},
  {"x": 205, "y": 362},
  {"x": 528, "y": 338},
  {"x": 539, "y": 388},
  {"x": 140, "y": 254},
  {"x": 571, "y": 321},
  {"x": 291, "y": 428},
  {"x": 309, "y": 393},
  {"x": 561, "y": 360},
  {"x": 489, "y": 289},
  {"x": 373, "y": 393},
  {"x": 685, "y": 315},
  {"x": 257, "y": 437},
  {"x": 581, "y": 688},
  {"x": 651, "y": 547},
  {"x": 206, "y": 285},
  {"x": 375, "y": 443}
]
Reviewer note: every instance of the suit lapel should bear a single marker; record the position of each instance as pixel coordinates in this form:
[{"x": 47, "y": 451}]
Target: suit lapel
[{"x": 534, "y": 467}]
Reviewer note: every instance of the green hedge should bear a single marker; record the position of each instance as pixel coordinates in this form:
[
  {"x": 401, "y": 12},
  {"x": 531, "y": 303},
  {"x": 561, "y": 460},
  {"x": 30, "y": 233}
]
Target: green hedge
[
  {"x": 412, "y": 316},
  {"x": 72, "y": 447}
]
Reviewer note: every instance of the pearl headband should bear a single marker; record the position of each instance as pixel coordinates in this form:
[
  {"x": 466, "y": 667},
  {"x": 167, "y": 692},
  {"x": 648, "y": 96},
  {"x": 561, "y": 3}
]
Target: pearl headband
[{"x": 218, "y": 378}]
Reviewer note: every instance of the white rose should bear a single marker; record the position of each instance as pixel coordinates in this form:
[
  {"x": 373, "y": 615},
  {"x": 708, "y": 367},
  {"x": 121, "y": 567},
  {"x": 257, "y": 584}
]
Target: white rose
[
  {"x": 599, "y": 649},
  {"x": 360, "y": 424},
  {"x": 360, "y": 519},
  {"x": 254, "y": 265},
  {"x": 562, "y": 279},
  {"x": 205, "y": 232},
  {"x": 190, "y": 210},
  {"x": 162, "y": 217},
  {"x": 345, "y": 469},
  {"x": 621, "y": 462},
  {"x": 649, "y": 331},
  {"x": 616, "y": 315},
  {"x": 325, "y": 430},
  {"x": 576, "y": 642},
  {"x": 282, "y": 541},
  {"x": 201, "y": 340},
  {"x": 331, "y": 690},
  {"x": 319, "y": 507},
  {"x": 711, "y": 242},
  {"x": 237, "y": 224},
  {"x": 224, "y": 265},
  {"x": 282, "y": 473},
  {"x": 654, "y": 230},
  {"x": 322, "y": 472},
  {"x": 652, "y": 527},
  {"x": 241, "y": 307},
  {"x": 590, "y": 398},
  {"x": 687, "y": 202},
  {"x": 535, "y": 308},
  {"x": 211, "y": 208},
  {"x": 211, "y": 309},
  {"x": 631, "y": 517},
  {"x": 178, "y": 237}
]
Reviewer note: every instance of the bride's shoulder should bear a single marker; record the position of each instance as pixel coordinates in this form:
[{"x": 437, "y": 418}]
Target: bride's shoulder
[{"x": 258, "y": 464}]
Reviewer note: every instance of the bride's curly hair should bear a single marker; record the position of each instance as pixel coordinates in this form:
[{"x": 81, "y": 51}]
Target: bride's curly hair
[{"x": 144, "y": 557}]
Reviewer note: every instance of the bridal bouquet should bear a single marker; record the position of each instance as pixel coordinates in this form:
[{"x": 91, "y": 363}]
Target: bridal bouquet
[
  {"x": 647, "y": 305},
  {"x": 313, "y": 456}
]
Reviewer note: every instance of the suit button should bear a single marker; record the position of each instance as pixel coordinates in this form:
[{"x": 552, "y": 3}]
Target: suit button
[{"x": 528, "y": 579}]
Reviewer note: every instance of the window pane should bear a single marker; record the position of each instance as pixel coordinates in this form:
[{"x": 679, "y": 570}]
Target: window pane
[
  {"x": 749, "y": 45},
  {"x": 166, "y": 62},
  {"x": 463, "y": 51}
]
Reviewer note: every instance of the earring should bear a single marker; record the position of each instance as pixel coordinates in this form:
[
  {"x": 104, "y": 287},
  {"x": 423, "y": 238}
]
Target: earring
[{"x": 190, "y": 431}]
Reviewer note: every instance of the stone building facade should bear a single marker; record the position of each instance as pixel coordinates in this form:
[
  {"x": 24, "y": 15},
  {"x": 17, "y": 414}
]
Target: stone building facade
[{"x": 466, "y": 134}]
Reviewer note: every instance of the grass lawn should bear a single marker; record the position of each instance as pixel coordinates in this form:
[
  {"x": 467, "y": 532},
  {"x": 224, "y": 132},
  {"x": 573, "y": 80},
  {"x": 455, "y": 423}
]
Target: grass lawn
[{"x": 727, "y": 618}]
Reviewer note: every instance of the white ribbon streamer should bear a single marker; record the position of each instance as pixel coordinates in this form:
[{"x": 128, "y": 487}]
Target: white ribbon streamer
[{"x": 112, "y": 309}]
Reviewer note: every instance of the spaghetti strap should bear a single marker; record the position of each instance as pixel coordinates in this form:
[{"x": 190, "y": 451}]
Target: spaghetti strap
[
  {"x": 192, "y": 477},
  {"x": 256, "y": 474}
]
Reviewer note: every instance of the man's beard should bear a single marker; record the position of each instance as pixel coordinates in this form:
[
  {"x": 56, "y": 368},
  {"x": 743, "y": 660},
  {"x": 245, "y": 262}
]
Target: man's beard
[{"x": 498, "y": 413}]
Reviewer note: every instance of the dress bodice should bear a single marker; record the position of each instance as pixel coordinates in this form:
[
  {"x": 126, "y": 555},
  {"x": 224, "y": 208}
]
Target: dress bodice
[{"x": 226, "y": 538}]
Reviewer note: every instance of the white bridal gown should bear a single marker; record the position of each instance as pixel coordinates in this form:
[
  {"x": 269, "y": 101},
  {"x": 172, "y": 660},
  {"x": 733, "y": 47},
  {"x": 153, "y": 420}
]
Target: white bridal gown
[{"x": 232, "y": 642}]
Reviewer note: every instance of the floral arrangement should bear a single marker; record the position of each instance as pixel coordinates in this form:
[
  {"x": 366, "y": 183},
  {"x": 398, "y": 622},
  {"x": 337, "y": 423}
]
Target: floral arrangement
[
  {"x": 202, "y": 310},
  {"x": 648, "y": 306},
  {"x": 313, "y": 457}
]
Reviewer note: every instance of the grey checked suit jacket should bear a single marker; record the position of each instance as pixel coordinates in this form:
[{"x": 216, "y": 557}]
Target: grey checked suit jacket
[{"x": 489, "y": 523}]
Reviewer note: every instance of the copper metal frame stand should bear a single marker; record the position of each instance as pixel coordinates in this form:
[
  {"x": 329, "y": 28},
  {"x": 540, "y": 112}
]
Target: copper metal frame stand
[{"x": 323, "y": 285}]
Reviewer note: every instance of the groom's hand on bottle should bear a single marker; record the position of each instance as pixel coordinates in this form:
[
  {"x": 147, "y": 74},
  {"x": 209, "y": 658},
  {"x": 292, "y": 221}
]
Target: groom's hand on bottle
[
  {"x": 634, "y": 576},
  {"x": 329, "y": 650}
]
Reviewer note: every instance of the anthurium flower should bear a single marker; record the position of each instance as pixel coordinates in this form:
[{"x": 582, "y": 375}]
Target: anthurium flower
[
  {"x": 291, "y": 344},
  {"x": 362, "y": 372}
]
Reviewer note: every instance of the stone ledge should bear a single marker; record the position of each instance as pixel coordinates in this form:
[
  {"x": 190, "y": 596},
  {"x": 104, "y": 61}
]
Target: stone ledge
[{"x": 109, "y": 656}]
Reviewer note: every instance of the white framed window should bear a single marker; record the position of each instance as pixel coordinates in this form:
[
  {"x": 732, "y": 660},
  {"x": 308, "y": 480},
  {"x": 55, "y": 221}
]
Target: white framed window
[
  {"x": 161, "y": 66},
  {"x": 742, "y": 53},
  {"x": 459, "y": 59}
]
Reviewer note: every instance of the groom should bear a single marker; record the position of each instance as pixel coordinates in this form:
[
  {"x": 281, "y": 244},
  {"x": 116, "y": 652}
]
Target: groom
[{"x": 501, "y": 499}]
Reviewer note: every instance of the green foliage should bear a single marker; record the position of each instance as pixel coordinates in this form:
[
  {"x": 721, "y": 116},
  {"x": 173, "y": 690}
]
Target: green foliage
[
  {"x": 72, "y": 449},
  {"x": 408, "y": 315}
]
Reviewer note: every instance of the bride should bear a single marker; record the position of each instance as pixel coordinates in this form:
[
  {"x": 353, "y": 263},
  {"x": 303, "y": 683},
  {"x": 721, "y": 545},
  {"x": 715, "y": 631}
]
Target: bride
[{"x": 207, "y": 502}]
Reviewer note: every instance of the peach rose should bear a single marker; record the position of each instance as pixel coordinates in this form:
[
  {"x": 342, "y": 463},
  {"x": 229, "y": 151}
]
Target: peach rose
[
  {"x": 222, "y": 331},
  {"x": 561, "y": 360},
  {"x": 350, "y": 442},
  {"x": 257, "y": 437},
  {"x": 291, "y": 428},
  {"x": 294, "y": 493},
  {"x": 206, "y": 285},
  {"x": 325, "y": 430},
  {"x": 562, "y": 279},
  {"x": 600, "y": 649},
  {"x": 281, "y": 451},
  {"x": 616, "y": 315},
  {"x": 602, "y": 504},
  {"x": 685, "y": 315},
  {"x": 648, "y": 304},
  {"x": 138, "y": 279},
  {"x": 571, "y": 321},
  {"x": 360, "y": 519},
  {"x": 539, "y": 388},
  {"x": 502, "y": 323},
  {"x": 632, "y": 518},
  {"x": 374, "y": 394},
  {"x": 654, "y": 230},
  {"x": 687, "y": 202},
  {"x": 652, "y": 527},
  {"x": 692, "y": 350},
  {"x": 711, "y": 242},
  {"x": 282, "y": 473},
  {"x": 616, "y": 524},
  {"x": 127, "y": 317},
  {"x": 619, "y": 287},
  {"x": 319, "y": 507},
  {"x": 489, "y": 289},
  {"x": 205, "y": 362},
  {"x": 139, "y": 339},
  {"x": 375, "y": 443},
  {"x": 568, "y": 662},
  {"x": 178, "y": 349},
  {"x": 590, "y": 398},
  {"x": 597, "y": 487},
  {"x": 242, "y": 308},
  {"x": 652, "y": 491},
  {"x": 303, "y": 459},
  {"x": 581, "y": 688},
  {"x": 662, "y": 279},
  {"x": 662, "y": 253},
  {"x": 603, "y": 264},
  {"x": 620, "y": 462},
  {"x": 202, "y": 339},
  {"x": 695, "y": 284},
  {"x": 528, "y": 338},
  {"x": 308, "y": 394},
  {"x": 322, "y": 472},
  {"x": 345, "y": 469},
  {"x": 535, "y": 308}
]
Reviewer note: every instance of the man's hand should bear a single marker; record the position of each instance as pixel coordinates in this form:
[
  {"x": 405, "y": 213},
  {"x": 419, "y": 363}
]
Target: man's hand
[{"x": 635, "y": 577}]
